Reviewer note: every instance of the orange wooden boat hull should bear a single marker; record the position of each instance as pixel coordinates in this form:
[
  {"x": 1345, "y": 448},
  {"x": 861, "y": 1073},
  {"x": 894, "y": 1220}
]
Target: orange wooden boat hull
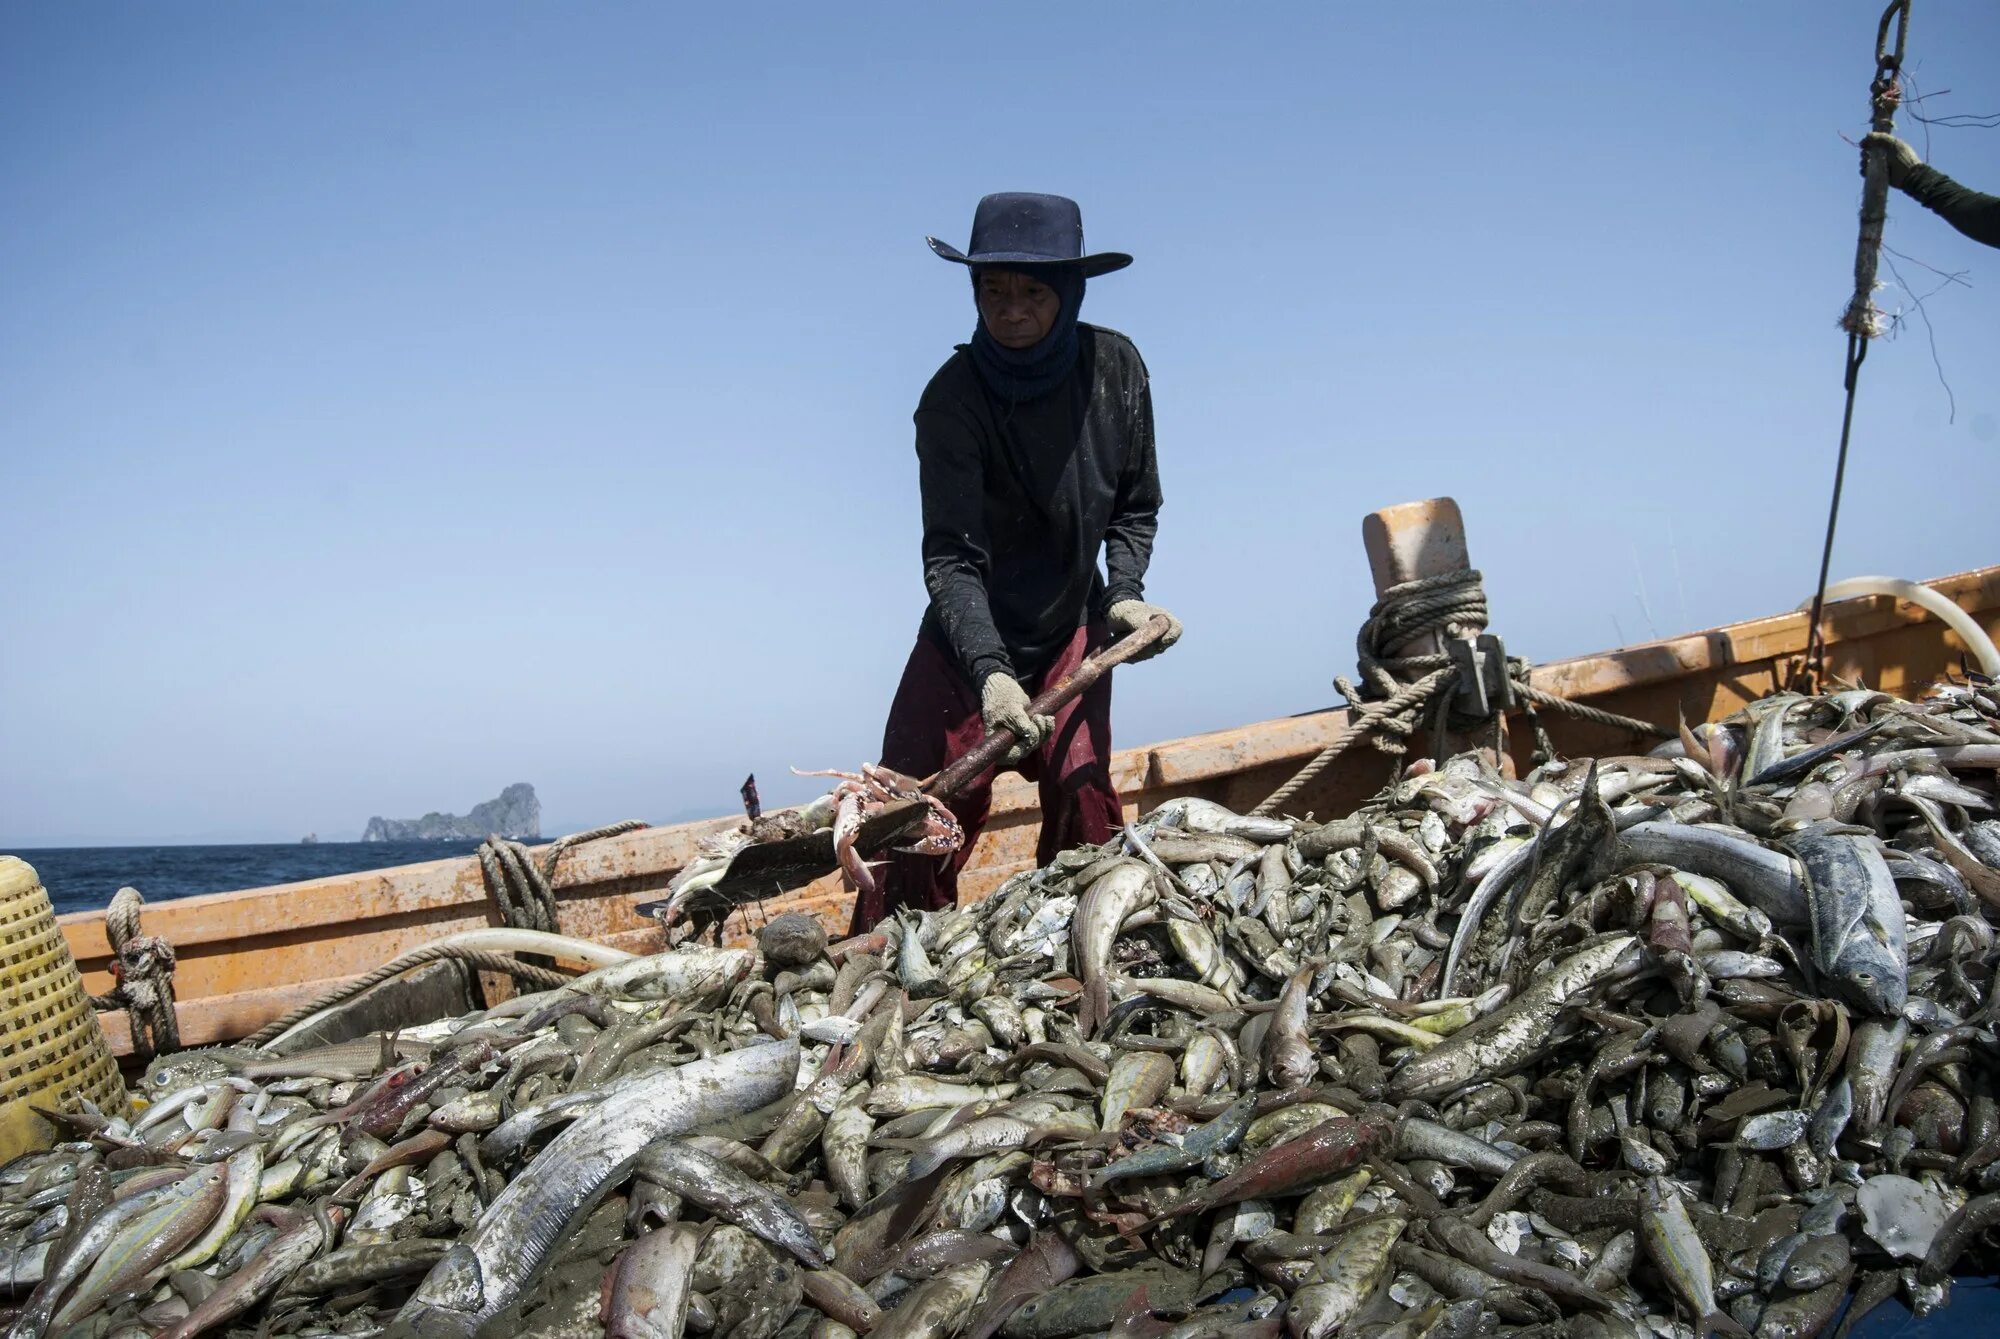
[{"x": 247, "y": 957}]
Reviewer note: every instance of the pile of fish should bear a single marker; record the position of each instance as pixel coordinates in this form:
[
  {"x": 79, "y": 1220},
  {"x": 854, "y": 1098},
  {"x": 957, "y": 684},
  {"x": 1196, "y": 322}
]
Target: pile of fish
[{"x": 1668, "y": 1045}]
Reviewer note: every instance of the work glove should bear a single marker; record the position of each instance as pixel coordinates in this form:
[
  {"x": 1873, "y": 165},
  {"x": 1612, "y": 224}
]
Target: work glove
[
  {"x": 1128, "y": 616},
  {"x": 1003, "y": 705},
  {"x": 1901, "y": 157}
]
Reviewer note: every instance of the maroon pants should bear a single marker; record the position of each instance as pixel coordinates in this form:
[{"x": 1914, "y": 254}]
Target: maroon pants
[{"x": 935, "y": 720}]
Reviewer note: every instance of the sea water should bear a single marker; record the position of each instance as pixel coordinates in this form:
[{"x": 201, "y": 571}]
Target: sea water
[{"x": 83, "y": 878}]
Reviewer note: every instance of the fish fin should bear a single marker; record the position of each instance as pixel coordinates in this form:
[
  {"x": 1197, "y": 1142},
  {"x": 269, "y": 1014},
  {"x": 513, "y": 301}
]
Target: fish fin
[
  {"x": 1693, "y": 746},
  {"x": 1720, "y": 1322},
  {"x": 1133, "y": 1310},
  {"x": 923, "y": 1165}
]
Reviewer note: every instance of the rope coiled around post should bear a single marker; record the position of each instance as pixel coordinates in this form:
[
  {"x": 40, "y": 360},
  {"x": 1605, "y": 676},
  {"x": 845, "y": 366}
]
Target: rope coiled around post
[
  {"x": 143, "y": 968},
  {"x": 1451, "y": 605},
  {"x": 1395, "y": 689}
]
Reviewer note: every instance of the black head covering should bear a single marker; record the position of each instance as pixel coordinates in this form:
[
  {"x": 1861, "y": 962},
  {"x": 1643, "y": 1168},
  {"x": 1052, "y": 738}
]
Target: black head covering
[{"x": 1025, "y": 374}]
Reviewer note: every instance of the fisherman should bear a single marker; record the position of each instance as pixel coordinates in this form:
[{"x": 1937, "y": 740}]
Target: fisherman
[
  {"x": 1972, "y": 213},
  {"x": 1034, "y": 454}
]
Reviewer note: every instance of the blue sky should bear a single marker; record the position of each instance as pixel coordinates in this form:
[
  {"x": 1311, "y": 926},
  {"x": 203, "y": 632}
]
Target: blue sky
[{"x": 400, "y": 401}]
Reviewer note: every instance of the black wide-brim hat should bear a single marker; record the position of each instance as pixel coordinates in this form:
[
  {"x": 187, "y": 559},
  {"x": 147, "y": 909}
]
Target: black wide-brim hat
[{"x": 1022, "y": 228}]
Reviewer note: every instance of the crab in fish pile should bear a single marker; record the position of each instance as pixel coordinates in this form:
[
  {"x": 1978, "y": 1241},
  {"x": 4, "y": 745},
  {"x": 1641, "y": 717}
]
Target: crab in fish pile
[
  {"x": 858, "y": 797},
  {"x": 861, "y": 795}
]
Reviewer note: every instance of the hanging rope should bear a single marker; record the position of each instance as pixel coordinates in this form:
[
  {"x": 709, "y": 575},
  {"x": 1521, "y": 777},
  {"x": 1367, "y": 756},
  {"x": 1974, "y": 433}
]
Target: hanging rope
[
  {"x": 1583, "y": 711},
  {"x": 1863, "y": 319},
  {"x": 519, "y": 890},
  {"x": 524, "y": 892},
  {"x": 541, "y": 978},
  {"x": 1388, "y": 706},
  {"x": 142, "y": 967},
  {"x": 561, "y": 844},
  {"x": 1396, "y": 716}
]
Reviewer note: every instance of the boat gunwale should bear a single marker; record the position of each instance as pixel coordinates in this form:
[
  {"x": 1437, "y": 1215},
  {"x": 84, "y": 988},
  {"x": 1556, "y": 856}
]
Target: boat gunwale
[{"x": 448, "y": 891}]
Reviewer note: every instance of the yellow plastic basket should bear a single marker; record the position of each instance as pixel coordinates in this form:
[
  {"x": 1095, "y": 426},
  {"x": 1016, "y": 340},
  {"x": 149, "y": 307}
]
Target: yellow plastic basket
[{"x": 52, "y": 1052}]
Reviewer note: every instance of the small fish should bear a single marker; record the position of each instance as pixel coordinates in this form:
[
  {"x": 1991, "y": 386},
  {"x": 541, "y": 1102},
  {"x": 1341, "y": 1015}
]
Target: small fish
[
  {"x": 975, "y": 1138},
  {"x": 147, "y": 1242},
  {"x": 730, "y": 1196},
  {"x": 1047, "y": 1261},
  {"x": 305, "y": 1236},
  {"x": 919, "y": 1092},
  {"x": 1328, "y": 1149},
  {"x": 1773, "y": 1129},
  {"x": 650, "y": 1284},
  {"x": 1222, "y": 1134},
  {"x": 1669, "y": 1237},
  {"x": 1288, "y": 1057},
  {"x": 1818, "y": 1261},
  {"x": 1203, "y": 1061},
  {"x": 1344, "y": 1279},
  {"x": 1101, "y": 912},
  {"x": 1857, "y": 918},
  {"x": 1138, "y": 1079},
  {"x": 1734, "y": 965},
  {"x": 844, "y": 1148},
  {"x": 935, "y": 1309}
]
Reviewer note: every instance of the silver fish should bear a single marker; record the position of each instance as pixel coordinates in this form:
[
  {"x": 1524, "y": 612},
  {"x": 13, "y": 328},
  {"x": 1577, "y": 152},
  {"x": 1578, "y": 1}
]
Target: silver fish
[
  {"x": 1857, "y": 918},
  {"x": 483, "y": 1274}
]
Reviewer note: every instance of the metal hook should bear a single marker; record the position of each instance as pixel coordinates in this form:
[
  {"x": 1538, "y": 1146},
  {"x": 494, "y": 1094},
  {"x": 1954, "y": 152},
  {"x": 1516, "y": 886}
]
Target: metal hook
[{"x": 1886, "y": 60}]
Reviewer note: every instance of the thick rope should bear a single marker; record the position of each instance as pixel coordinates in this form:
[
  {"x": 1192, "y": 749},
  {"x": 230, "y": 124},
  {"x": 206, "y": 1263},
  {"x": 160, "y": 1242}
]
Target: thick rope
[
  {"x": 518, "y": 890},
  {"x": 542, "y": 978},
  {"x": 523, "y": 892},
  {"x": 1389, "y": 703},
  {"x": 1451, "y": 605},
  {"x": 143, "y": 968},
  {"x": 1394, "y": 715},
  {"x": 1585, "y": 712},
  {"x": 562, "y": 844}
]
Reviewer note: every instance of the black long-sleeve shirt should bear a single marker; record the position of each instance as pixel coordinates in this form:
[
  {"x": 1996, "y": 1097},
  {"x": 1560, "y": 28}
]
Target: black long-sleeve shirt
[
  {"x": 1019, "y": 499},
  {"x": 1972, "y": 213}
]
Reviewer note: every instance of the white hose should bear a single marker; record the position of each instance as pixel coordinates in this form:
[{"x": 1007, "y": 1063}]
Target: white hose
[
  {"x": 497, "y": 939},
  {"x": 1951, "y": 615}
]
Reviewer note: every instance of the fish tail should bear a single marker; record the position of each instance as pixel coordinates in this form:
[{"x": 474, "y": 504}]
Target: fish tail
[
  {"x": 1094, "y": 1007},
  {"x": 922, "y": 1165},
  {"x": 923, "y": 1159},
  {"x": 1720, "y": 1322}
]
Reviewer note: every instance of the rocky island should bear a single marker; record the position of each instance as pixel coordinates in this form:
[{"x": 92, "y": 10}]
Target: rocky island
[{"x": 516, "y": 813}]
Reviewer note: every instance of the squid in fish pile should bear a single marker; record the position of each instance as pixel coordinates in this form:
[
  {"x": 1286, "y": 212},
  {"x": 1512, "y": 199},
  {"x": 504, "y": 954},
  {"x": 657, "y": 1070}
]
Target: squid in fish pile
[{"x": 1700, "y": 1042}]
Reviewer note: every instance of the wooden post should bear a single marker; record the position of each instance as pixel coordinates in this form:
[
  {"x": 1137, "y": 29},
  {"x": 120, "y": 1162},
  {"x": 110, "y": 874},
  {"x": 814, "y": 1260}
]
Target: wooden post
[{"x": 1408, "y": 542}]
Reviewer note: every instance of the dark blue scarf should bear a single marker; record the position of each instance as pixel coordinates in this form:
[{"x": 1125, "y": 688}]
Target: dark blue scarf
[{"x": 1024, "y": 374}]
